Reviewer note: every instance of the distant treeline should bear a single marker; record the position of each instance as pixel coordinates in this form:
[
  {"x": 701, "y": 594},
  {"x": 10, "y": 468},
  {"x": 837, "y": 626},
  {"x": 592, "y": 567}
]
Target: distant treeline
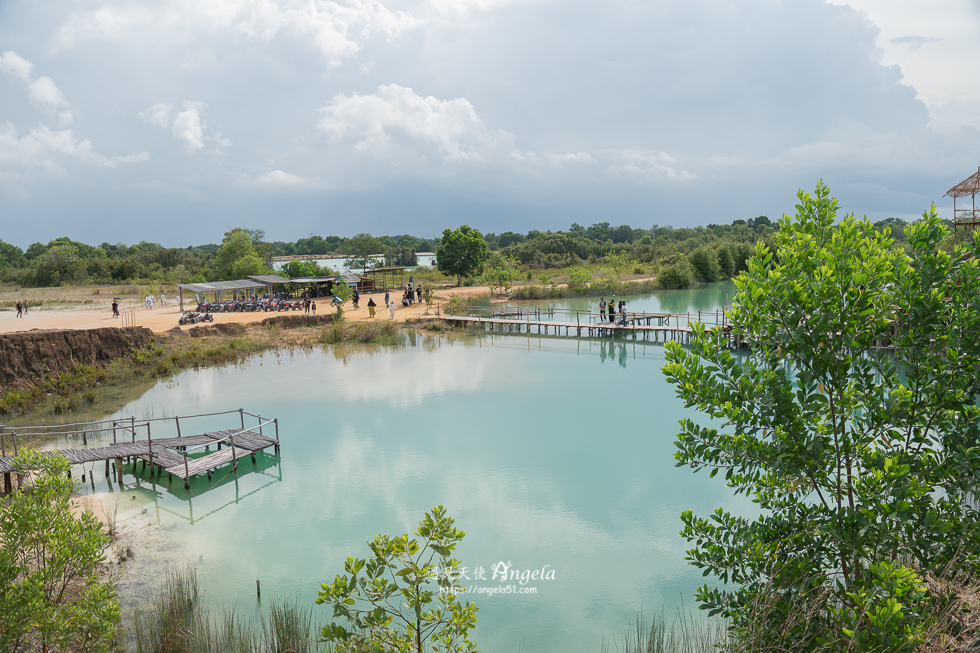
[{"x": 679, "y": 254}]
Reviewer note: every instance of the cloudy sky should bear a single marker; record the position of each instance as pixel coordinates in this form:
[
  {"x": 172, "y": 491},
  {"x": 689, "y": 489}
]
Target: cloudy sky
[{"x": 174, "y": 120}]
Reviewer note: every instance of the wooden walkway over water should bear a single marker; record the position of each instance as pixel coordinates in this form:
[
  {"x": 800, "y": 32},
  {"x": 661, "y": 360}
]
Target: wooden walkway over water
[
  {"x": 570, "y": 323},
  {"x": 181, "y": 456}
]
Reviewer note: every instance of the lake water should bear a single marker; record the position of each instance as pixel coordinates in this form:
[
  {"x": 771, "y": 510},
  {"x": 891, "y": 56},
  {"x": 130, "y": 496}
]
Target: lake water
[{"x": 553, "y": 454}]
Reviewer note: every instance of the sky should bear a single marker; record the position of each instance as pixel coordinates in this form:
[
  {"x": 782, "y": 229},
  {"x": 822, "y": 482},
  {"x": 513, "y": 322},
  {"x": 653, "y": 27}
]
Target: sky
[{"x": 173, "y": 121}]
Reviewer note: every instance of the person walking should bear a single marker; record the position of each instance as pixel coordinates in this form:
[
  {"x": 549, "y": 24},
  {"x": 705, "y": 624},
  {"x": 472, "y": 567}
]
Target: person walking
[
  {"x": 371, "y": 306},
  {"x": 20, "y": 309},
  {"x": 418, "y": 291},
  {"x": 356, "y": 298},
  {"x": 392, "y": 307},
  {"x": 115, "y": 308},
  {"x": 27, "y": 307},
  {"x": 387, "y": 298}
]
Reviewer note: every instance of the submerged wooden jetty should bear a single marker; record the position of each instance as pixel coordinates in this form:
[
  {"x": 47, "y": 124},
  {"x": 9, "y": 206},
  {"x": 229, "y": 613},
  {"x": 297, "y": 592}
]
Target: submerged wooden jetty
[
  {"x": 570, "y": 323},
  {"x": 183, "y": 456}
]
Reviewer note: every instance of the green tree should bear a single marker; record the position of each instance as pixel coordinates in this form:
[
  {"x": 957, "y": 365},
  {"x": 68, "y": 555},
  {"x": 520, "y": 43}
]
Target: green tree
[
  {"x": 239, "y": 254},
  {"x": 726, "y": 261},
  {"x": 404, "y": 597},
  {"x": 499, "y": 272},
  {"x": 361, "y": 251},
  {"x": 52, "y": 596},
  {"x": 579, "y": 279},
  {"x": 704, "y": 262},
  {"x": 676, "y": 275},
  {"x": 343, "y": 292},
  {"x": 461, "y": 253},
  {"x": 855, "y": 456}
]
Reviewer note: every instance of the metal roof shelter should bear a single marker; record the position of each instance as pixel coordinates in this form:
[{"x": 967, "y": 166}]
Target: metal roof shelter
[
  {"x": 968, "y": 187},
  {"x": 270, "y": 279},
  {"x": 217, "y": 287}
]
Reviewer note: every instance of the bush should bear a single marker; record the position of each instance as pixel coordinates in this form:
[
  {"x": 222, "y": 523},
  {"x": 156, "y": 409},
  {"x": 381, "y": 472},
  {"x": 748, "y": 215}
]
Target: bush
[
  {"x": 677, "y": 275},
  {"x": 704, "y": 263}
]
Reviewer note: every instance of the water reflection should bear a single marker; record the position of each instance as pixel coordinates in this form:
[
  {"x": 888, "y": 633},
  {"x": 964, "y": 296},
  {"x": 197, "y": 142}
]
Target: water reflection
[{"x": 547, "y": 451}]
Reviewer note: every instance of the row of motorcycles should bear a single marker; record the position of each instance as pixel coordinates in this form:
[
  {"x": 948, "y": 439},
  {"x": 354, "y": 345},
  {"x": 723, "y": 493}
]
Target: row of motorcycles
[
  {"x": 193, "y": 317},
  {"x": 254, "y": 305}
]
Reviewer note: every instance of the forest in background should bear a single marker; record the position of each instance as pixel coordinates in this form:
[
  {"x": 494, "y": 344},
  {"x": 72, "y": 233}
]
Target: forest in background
[{"x": 679, "y": 256}]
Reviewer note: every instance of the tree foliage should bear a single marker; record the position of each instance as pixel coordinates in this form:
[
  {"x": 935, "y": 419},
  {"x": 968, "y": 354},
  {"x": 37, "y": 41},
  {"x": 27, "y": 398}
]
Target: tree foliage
[
  {"x": 461, "y": 253},
  {"x": 404, "y": 597},
  {"x": 52, "y": 596},
  {"x": 856, "y": 455}
]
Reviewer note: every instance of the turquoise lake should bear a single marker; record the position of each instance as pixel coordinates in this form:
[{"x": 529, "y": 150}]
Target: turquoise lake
[{"x": 552, "y": 454}]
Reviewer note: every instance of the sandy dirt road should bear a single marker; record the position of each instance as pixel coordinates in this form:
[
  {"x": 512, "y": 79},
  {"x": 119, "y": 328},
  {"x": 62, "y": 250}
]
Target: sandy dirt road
[{"x": 164, "y": 318}]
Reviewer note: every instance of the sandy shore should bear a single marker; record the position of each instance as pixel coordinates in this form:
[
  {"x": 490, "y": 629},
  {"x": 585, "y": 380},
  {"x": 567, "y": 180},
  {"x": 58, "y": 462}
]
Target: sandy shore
[{"x": 164, "y": 318}]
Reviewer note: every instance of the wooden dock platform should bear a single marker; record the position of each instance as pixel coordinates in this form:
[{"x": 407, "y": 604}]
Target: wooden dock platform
[
  {"x": 549, "y": 320},
  {"x": 181, "y": 456},
  {"x": 633, "y": 327}
]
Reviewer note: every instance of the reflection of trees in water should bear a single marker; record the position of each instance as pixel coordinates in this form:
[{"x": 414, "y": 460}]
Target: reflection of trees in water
[{"x": 705, "y": 298}]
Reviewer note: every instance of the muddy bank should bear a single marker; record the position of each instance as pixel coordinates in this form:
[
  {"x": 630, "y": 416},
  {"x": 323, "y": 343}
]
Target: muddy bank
[{"x": 28, "y": 356}]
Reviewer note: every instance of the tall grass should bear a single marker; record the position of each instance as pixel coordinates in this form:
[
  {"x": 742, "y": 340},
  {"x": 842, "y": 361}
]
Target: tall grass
[
  {"x": 682, "y": 634},
  {"x": 380, "y": 332},
  {"x": 176, "y": 621}
]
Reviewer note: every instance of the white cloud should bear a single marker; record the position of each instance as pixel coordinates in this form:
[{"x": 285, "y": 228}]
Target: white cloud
[
  {"x": 13, "y": 64},
  {"x": 337, "y": 30},
  {"x": 643, "y": 165},
  {"x": 931, "y": 48},
  {"x": 44, "y": 152},
  {"x": 283, "y": 179},
  {"x": 188, "y": 126},
  {"x": 41, "y": 91},
  {"x": 397, "y": 121}
]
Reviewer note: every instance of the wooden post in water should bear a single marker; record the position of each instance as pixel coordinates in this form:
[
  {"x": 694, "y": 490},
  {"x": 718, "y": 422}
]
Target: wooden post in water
[
  {"x": 113, "y": 436},
  {"x": 276, "y": 422},
  {"x": 119, "y": 471},
  {"x": 187, "y": 474},
  {"x": 233, "y": 457},
  {"x": 241, "y": 413},
  {"x": 149, "y": 444},
  {"x": 132, "y": 427},
  {"x": 177, "y": 421}
]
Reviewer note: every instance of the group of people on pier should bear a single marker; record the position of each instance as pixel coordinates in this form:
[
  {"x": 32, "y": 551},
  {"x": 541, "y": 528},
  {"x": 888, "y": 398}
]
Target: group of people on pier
[{"x": 612, "y": 310}]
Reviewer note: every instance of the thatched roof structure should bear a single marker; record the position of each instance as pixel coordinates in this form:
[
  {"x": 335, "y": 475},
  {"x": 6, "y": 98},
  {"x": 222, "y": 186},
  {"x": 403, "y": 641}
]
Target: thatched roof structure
[{"x": 968, "y": 187}]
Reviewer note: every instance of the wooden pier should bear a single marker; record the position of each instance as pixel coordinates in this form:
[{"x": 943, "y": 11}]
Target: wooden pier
[
  {"x": 569, "y": 323},
  {"x": 181, "y": 456}
]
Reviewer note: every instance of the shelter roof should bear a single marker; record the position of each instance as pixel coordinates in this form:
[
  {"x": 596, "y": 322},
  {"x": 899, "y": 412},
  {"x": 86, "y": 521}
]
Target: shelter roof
[
  {"x": 967, "y": 187},
  {"x": 269, "y": 279},
  {"x": 211, "y": 286},
  {"x": 311, "y": 279},
  {"x": 349, "y": 278}
]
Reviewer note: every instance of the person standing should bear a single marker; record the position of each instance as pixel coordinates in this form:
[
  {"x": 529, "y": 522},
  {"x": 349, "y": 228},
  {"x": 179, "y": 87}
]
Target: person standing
[
  {"x": 387, "y": 298},
  {"x": 115, "y": 308},
  {"x": 356, "y": 297},
  {"x": 418, "y": 292},
  {"x": 612, "y": 310},
  {"x": 20, "y": 309},
  {"x": 602, "y": 309},
  {"x": 313, "y": 307},
  {"x": 306, "y": 306},
  {"x": 622, "y": 313},
  {"x": 26, "y": 307},
  {"x": 371, "y": 306}
]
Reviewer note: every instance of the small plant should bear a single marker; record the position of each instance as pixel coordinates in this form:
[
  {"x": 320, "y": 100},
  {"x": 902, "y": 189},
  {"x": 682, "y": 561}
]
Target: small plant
[{"x": 404, "y": 598}]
